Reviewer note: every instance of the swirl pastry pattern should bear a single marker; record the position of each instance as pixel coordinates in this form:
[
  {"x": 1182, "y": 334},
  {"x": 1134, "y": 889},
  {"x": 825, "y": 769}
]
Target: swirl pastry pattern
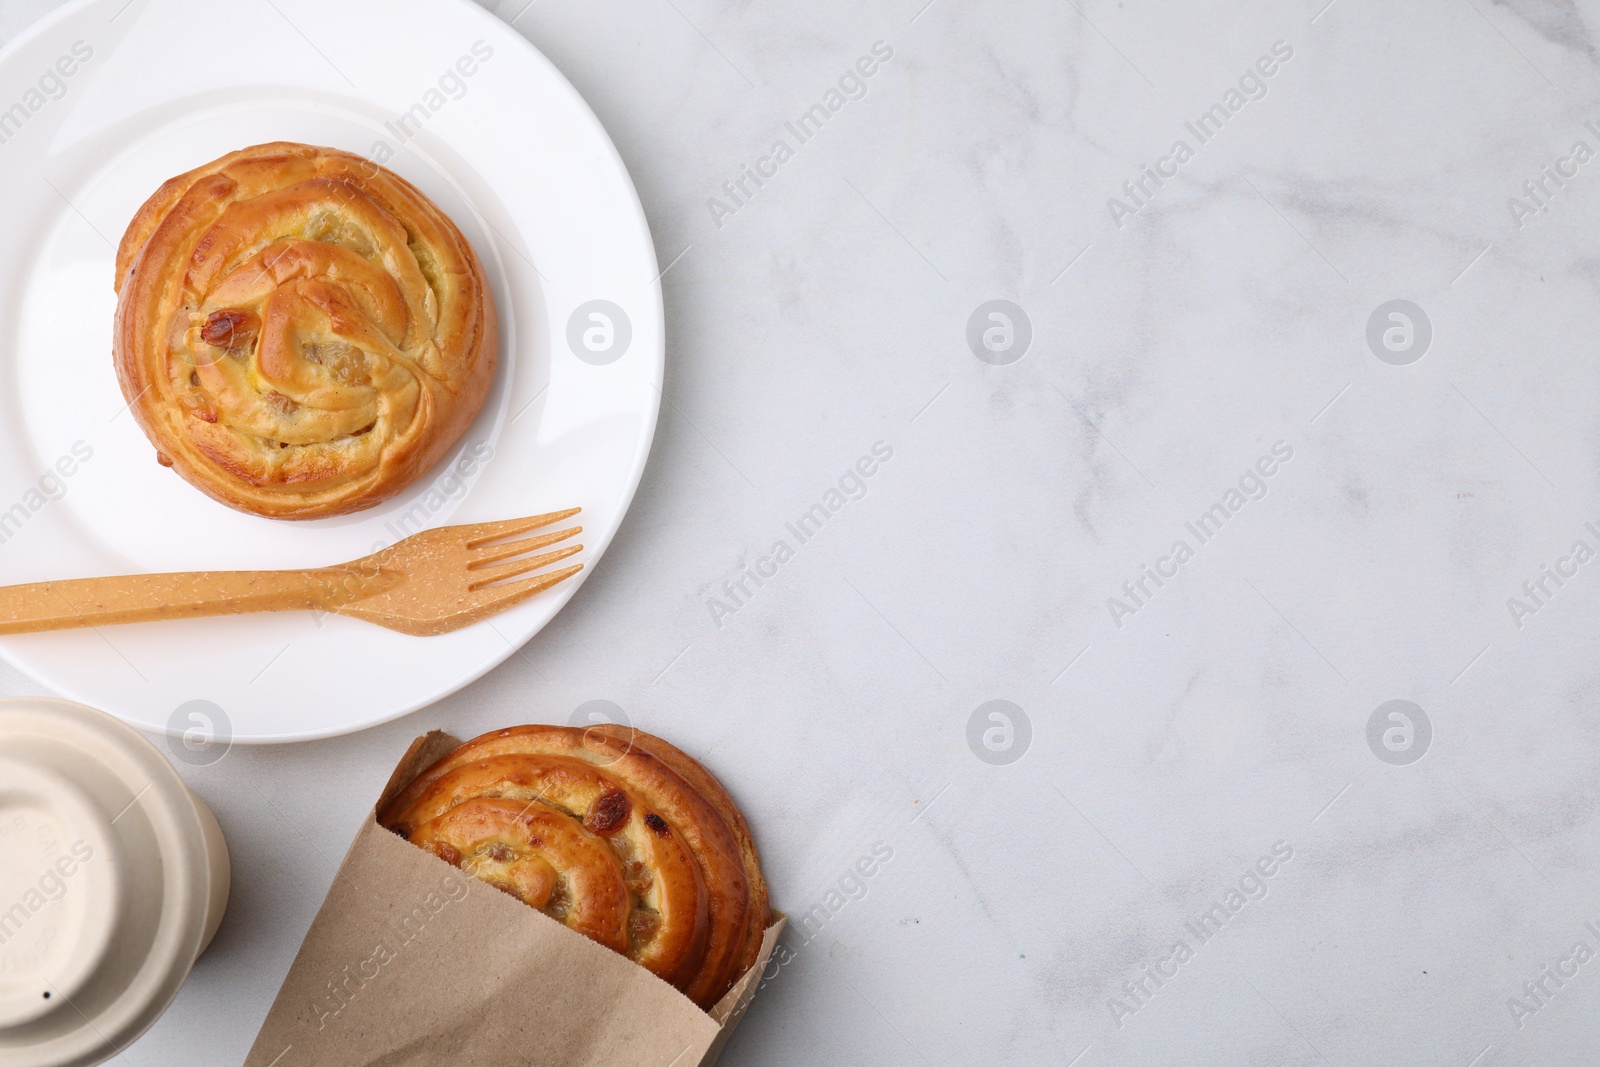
[
  {"x": 609, "y": 830},
  {"x": 300, "y": 332}
]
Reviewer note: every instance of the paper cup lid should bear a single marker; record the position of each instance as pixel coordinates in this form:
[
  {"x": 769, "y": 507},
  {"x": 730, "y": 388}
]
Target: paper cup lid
[{"x": 105, "y": 883}]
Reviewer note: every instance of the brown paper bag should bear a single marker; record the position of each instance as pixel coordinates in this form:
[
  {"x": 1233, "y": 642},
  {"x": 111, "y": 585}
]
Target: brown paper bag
[{"x": 412, "y": 962}]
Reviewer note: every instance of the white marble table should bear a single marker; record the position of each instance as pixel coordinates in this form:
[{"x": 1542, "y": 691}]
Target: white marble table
[{"x": 1190, "y": 731}]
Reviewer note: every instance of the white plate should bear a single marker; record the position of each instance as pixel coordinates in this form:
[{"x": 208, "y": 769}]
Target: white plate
[{"x": 511, "y": 152}]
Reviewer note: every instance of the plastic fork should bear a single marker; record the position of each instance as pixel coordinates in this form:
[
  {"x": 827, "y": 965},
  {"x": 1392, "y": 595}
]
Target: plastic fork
[{"x": 431, "y": 583}]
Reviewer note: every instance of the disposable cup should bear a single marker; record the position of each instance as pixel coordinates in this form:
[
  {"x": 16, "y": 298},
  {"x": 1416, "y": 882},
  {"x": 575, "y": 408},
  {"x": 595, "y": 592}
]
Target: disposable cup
[{"x": 113, "y": 879}]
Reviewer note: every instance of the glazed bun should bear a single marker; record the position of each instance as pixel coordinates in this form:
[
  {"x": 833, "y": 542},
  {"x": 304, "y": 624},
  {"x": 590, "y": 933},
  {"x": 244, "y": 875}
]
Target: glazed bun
[
  {"x": 609, "y": 830},
  {"x": 300, "y": 332}
]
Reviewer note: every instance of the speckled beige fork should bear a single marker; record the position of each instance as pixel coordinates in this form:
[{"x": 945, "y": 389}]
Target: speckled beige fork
[{"x": 430, "y": 583}]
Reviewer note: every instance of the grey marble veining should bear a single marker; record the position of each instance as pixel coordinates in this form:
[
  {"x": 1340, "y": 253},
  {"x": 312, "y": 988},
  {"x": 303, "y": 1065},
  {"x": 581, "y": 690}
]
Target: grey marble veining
[{"x": 1182, "y": 737}]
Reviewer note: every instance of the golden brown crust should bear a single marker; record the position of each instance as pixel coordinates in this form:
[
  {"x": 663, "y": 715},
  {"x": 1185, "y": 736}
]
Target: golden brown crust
[
  {"x": 652, "y": 804},
  {"x": 300, "y": 332},
  {"x": 546, "y": 860},
  {"x": 664, "y": 879},
  {"x": 760, "y": 915}
]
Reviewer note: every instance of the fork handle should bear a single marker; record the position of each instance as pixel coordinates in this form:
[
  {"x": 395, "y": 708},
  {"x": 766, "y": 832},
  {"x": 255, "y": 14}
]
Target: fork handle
[{"x": 81, "y": 602}]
